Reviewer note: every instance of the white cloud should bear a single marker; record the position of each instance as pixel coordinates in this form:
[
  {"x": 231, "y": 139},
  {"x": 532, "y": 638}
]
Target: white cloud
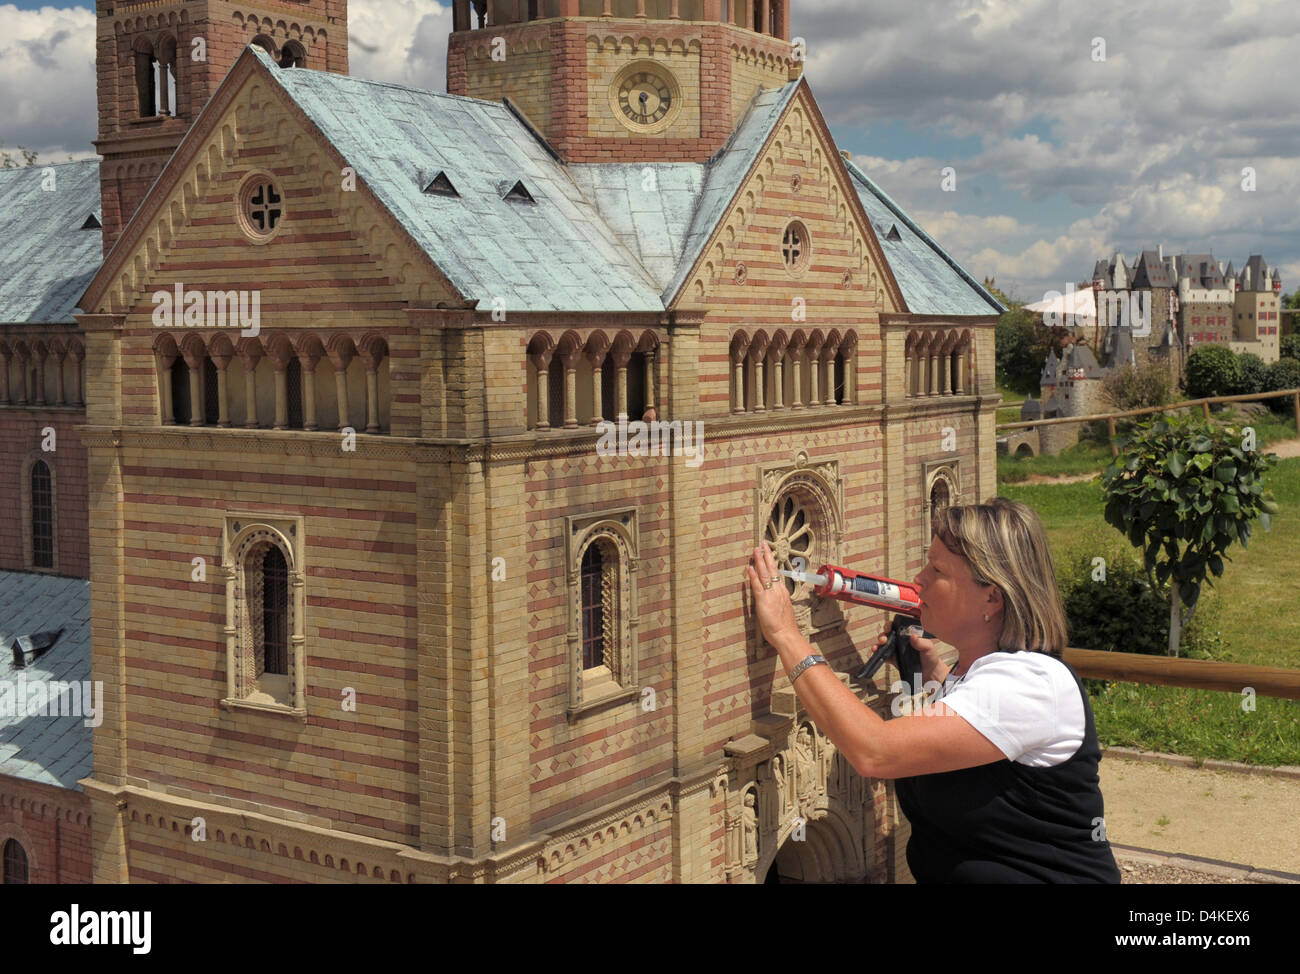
[
  {"x": 47, "y": 81},
  {"x": 399, "y": 41}
]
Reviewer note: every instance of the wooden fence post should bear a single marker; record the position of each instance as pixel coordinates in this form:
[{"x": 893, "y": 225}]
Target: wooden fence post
[
  {"x": 1110, "y": 425},
  {"x": 1206, "y": 407}
]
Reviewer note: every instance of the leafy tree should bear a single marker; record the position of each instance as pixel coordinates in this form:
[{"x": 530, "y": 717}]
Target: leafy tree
[
  {"x": 1254, "y": 374},
  {"x": 1183, "y": 491},
  {"x": 7, "y": 161},
  {"x": 1136, "y": 388},
  {"x": 1013, "y": 339},
  {"x": 1212, "y": 370},
  {"x": 1289, "y": 346},
  {"x": 1022, "y": 344}
]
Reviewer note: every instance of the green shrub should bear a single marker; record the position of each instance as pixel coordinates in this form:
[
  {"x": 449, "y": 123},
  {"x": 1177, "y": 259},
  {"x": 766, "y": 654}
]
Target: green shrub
[
  {"x": 1212, "y": 370},
  {"x": 1290, "y": 346},
  {"x": 1283, "y": 374},
  {"x": 1123, "y": 613},
  {"x": 1136, "y": 388},
  {"x": 1254, "y": 374}
]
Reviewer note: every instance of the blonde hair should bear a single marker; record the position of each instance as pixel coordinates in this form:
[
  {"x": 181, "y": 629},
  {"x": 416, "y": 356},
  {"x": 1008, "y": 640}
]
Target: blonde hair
[{"x": 1005, "y": 545}]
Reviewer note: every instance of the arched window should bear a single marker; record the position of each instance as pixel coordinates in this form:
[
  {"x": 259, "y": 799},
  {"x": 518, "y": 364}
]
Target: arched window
[
  {"x": 265, "y": 602},
  {"x": 293, "y": 55},
  {"x": 42, "y": 516},
  {"x": 636, "y": 398},
  {"x": 265, "y": 43},
  {"x": 609, "y": 389},
  {"x": 555, "y": 393},
  {"x": 293, "y": 387},
  {"x": 15, "y": 865},
  {"x": 274, "y": 658},
  {"x": 839, "y": 378},
  {"x": 167, "y": 91},
  {"x": 211, "y": 402},
  {"x": 603, "y": 620},
  {"x": 180, "y": 392},
  {"x": 595, "y": 628},
  {"x": 146, "y": 82},
  {"x": 939, "y": 499}
]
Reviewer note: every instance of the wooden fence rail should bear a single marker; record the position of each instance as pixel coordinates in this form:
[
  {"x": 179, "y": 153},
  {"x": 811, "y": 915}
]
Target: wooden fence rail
[
  {"x": 1266, "y": 681},
  {"x": 1185, "y": 404}
]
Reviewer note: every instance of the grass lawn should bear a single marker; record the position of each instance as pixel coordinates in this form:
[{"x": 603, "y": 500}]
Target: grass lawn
[
  {"x": 1255, "y": 607},
  {"x": 1095, "y": 454}
]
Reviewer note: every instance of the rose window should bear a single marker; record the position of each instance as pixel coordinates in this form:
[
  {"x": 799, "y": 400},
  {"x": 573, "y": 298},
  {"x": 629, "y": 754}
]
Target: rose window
[{"x": 790, "y": 535}]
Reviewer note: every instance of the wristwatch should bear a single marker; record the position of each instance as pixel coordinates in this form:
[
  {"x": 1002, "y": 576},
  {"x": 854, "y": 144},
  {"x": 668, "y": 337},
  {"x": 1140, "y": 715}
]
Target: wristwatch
[{"x": 812, "y": 660}]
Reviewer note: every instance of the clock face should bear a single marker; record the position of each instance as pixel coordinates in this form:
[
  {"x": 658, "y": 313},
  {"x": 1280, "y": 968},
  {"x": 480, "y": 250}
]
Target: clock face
[{"x": 645, "y": 98}]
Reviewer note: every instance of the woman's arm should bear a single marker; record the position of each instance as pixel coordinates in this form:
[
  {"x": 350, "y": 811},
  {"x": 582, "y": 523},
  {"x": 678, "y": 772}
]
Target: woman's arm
[{"x": 935, "y": 741}]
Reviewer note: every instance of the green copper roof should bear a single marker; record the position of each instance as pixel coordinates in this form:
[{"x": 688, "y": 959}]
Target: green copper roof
[
  {"x": 54, "y": 750},
  {"x": 47, "y": 259},
  {"x": 552, "y": 254},
  {"x": 933, "y": 283}
]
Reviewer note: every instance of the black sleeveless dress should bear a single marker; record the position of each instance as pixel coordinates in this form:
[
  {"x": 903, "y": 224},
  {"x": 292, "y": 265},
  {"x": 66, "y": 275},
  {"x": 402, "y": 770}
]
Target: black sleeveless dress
[{"x": 1006, "y": 822}]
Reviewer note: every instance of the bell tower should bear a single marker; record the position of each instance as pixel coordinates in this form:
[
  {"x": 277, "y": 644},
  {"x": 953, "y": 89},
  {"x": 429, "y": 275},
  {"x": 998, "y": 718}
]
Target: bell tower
[
  {"x": 623, "y": 80},
  {"x": 158, "y": 63}
]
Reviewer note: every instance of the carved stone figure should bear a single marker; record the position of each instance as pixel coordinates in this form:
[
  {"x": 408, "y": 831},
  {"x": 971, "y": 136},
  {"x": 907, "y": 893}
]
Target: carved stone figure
[
  {"x": 805, "y": 760},
  {"x": 749, "y": 821},
  {"x": 778, "y": 779}
]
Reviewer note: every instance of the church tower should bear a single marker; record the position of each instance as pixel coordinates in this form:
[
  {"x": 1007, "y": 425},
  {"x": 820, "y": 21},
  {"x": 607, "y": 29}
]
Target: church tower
[
  {"x": 157, "y": 64},
  {"x": 623, "y": 80}
]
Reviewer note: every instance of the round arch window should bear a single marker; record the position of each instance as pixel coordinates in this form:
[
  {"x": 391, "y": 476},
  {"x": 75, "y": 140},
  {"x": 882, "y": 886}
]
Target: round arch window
[
  {"x": 795, "y": 247},
  {"x": 261, "y": 207}
]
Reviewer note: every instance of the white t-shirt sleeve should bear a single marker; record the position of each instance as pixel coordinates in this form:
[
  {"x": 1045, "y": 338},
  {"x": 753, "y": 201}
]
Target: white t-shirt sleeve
[{"x": 1026, "y": 703}]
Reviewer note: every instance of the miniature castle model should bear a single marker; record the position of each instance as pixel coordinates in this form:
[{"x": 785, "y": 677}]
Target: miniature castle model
[{"x": 366, "y": 601}]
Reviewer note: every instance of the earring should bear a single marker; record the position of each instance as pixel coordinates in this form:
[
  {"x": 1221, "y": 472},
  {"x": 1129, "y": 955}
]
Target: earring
[{"x": 986, "y": 617}]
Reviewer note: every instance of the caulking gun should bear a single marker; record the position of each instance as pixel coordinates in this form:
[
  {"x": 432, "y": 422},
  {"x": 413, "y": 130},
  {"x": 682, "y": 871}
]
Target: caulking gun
[{"x": 878, "y": 592}]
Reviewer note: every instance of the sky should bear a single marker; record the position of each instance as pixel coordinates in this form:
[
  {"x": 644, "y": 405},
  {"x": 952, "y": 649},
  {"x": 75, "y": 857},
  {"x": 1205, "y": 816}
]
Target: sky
[{"x": 1073, "y": 130}]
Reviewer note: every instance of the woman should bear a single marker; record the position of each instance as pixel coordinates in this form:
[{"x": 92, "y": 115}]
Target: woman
[{"x": 999, "y": 778}]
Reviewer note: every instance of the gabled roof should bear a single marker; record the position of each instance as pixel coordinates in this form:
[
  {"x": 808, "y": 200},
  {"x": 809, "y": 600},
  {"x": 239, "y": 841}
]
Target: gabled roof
[
  {"x": 725, "y": 171},
  {"x": 932, "y": 282},
  {"x": 651, "y": 223},
  {"x": 555, "y": 255},
  {"x": 46, "y": 258},
  {"x": 50, "y": 750},
  {"x": 1202, "y": 269},
  {"x": 1152, "y": 272}
]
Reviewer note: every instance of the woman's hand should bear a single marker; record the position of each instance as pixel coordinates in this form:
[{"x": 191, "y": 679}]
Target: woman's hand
[
  {"x": 926, "y": 647},
  {"x": 771, "y": 603}
]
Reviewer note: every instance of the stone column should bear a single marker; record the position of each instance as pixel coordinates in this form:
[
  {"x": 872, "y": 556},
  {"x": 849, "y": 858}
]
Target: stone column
[
  {"x": 41, "y": 354},
  {"x": 341, "y": 358},
  {"x": 60, "y": 398},
  {"x": 796, "y": 370},
  {"x": 597, "y": 360},
  {"x": 223, "y": 403},
  {"x": 79, "y": 362},
  {"x": 372, "y": 399},
  {"x": 777, "y": 390},
  {"x": 165, "y": 363},
  {"x": 250, "y": 354},
  {"x": 542, "y": 362},
  {"x": 649, "y": 358},
  {"x": 196, "y": 387}
]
